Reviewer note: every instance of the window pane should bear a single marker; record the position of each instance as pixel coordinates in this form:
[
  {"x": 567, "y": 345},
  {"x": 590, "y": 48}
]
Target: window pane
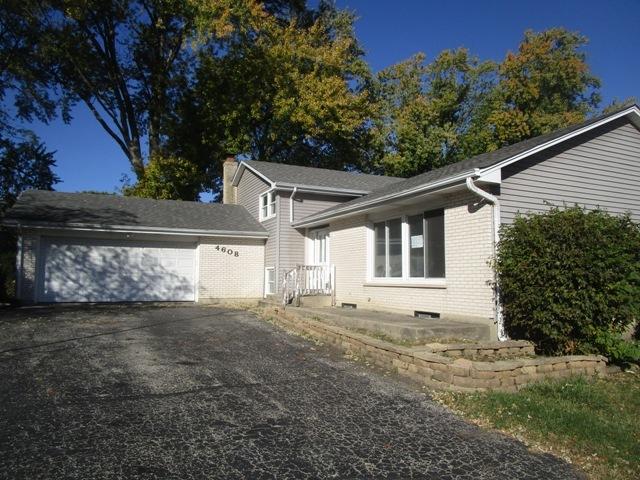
[
  {"x": 395, "y": 247},
  {"x": 435, "y": 244},
  {"x": 271, "y": 280},
  {"x": 416, "y": 246},
  {"x": 380, "y": 258}
]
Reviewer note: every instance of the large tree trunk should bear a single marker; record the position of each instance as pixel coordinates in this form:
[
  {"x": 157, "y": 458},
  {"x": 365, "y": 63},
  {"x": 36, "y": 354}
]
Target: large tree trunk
[{"x": 135, "y": 158}]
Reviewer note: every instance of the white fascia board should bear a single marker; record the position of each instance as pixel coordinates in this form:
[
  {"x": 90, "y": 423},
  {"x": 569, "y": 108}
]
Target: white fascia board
[
  {"x": 147, "y": 230},
  {"x": 240, "y": 169},
  {"x": 632, "y": 110},
  {"x": 425, "y": 188},
  {"x": 340, "y": 192},
  {"x": 494, "y": 177}
]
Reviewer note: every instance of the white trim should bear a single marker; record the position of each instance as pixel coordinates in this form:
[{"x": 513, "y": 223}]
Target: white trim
[
  {"x": 196, "y": 272},
  {"x": 407, "y": 283},
  {"x": 244, "y": 165},
  {"x": 293, "y": 194},
  {"x": 486, "y": 172},
  {"x": 129, "y": 229},
  {"x": 563, "y": 138},
  {"x": 495, "y": 209},
  {"x": 266, "y": 281},
  {"x": 269, "y": 194},
  {"x": 424, "y": 188},
  {"x": 406, "y": 280}
]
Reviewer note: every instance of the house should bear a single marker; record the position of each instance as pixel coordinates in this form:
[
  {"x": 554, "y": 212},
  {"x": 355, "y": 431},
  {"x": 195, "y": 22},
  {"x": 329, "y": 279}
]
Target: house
[{"x": 420, "y": 245}]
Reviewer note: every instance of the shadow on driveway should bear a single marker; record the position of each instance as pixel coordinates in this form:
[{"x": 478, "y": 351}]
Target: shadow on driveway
[{"x": 187, "y": 392}]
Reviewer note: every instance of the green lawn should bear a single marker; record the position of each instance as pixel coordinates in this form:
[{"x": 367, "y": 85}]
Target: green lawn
[{"x": 595, "y": 424}]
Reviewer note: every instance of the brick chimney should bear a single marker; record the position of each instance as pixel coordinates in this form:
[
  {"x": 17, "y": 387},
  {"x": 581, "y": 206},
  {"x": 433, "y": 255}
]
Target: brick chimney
[{"x": 228, "y": 170}]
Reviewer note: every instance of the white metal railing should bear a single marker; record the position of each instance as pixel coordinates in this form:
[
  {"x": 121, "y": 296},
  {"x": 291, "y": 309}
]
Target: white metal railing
[{"x": 305, "y": 280}]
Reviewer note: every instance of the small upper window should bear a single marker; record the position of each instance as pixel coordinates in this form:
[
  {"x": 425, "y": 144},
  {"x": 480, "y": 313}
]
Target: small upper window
[{"x": 267, "y": 205}]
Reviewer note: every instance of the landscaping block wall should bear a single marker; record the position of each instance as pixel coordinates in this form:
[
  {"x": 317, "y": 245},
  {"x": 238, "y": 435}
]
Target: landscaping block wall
[{"x": 445, "y": 372}]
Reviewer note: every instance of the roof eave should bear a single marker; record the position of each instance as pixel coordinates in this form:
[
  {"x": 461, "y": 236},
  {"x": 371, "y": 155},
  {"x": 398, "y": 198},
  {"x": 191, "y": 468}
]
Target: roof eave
[
  {"x": 324, "y": 190},
  {"x": 632, "y": 111},
  {"x": 425, "y": 188},
  {"x": 135, "y": 229}
]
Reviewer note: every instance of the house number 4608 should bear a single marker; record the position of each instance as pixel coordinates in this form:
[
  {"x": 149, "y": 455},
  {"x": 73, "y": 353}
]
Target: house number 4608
[{"x": 228, "y": 251}]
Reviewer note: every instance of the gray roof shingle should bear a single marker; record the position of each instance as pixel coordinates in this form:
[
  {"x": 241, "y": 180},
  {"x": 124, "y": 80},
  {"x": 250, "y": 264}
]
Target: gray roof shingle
[
  {"x": 295, "y": 175},
  {"x": 60, "y": 208},
  {"x": 483, "y": 160}
]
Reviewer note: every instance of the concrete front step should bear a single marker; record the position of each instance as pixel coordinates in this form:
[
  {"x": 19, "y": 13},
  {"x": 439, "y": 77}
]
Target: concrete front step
[{"x": 398, "y": 326}]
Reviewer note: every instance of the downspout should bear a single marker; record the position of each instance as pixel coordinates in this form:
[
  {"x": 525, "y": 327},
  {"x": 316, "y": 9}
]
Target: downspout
[
  {"x": 495, "y": 209},
  {"x": 293, "y": 193}
]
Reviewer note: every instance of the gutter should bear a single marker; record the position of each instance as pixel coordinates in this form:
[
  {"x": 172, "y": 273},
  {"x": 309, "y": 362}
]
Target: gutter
[
  {"x": 391, "y": 196},
  {"x": 130, "y": 229},
  {"x": 495, "y": 209},
  {"x": 293, "y": 193}
]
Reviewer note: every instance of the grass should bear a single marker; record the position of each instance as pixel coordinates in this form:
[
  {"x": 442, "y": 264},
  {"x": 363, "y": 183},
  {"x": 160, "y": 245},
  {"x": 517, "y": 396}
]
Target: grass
[{"x": 596, "y": 425}]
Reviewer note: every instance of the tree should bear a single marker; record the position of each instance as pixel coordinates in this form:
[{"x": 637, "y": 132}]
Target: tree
[
  {"x": 457, "y": 106},
  {"x": 24, "y": 164},
  {"x": 426, "y": 109},
  {"x": 545, "y": 86},
  {"x": 292, "y": 89},
  {"x": 122, "y": 59},
  {"x": 168, "y": 178}
]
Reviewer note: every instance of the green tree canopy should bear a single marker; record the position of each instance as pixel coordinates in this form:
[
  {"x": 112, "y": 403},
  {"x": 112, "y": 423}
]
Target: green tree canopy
[
  {"x": 284, "y": 89},
  {"x": 456, "y": 107},
  {"x": 24, "y": 164}
]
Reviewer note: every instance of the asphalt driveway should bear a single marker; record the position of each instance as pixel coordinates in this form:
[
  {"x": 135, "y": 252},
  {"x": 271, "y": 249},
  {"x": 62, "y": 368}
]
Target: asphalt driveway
[{"x": 201, "y": 392}]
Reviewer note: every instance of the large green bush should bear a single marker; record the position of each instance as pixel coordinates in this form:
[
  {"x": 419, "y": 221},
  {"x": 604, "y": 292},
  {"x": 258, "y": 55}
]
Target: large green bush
[{"x": 569, "y": 280}]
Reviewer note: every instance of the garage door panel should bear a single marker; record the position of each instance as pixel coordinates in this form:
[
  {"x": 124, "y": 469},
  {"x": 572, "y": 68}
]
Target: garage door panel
[{"x": 101, "y": 271}]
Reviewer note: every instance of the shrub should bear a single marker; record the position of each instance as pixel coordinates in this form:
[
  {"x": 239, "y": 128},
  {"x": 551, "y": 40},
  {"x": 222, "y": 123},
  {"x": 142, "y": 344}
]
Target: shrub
[{"x": 569, "y": 279}]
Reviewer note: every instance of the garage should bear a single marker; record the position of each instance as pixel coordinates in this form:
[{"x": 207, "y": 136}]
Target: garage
[
  {"x": 87, "y": 247},
  {"x": 92, "y": 270}
]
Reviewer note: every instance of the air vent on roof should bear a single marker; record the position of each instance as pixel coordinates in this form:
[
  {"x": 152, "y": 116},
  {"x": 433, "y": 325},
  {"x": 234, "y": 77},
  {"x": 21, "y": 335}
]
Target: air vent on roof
[
  {"x": 421, "y": 314},
  {"x": 352, "y": 306}
]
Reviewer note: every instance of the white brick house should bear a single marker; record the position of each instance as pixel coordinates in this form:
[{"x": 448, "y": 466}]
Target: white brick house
[{"x": 421, "y": 245}]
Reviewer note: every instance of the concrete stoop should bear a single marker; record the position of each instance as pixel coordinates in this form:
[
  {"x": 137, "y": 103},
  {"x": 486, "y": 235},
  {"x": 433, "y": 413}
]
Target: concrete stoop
[
  {"x": 398, "y": 326},
  {"x": 432, "y": 368}
]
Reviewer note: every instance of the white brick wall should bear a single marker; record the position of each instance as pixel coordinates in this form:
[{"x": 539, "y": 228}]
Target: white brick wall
[
  {"x": 221, "y": 275},
  {"x": 27, "y": 258},
  {"x": 468, "y": 248}
]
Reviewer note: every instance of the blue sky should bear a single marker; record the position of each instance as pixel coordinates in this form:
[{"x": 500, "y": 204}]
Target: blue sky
[{"x": 391, "y": 31}]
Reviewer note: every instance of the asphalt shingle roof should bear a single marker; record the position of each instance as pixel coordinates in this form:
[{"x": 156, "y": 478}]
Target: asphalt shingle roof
[
  {"x": 296, "y": 175},
  {"x": 483, "y": 160},
  {"x": 45, "y": 207}
]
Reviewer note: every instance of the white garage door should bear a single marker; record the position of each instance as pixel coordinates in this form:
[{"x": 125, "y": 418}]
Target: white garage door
[{"x": 89, "y": 270}]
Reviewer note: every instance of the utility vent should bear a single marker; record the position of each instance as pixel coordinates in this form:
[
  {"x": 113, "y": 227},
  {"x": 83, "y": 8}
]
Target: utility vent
[
  {"x": 419, "y": 314},
  {"x": 352, "y": 306}
]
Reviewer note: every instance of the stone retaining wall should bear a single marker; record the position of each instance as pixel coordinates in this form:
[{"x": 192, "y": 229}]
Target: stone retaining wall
[
  {"x": 445, "y": 372},
  {"x": 509, "y": 348}
]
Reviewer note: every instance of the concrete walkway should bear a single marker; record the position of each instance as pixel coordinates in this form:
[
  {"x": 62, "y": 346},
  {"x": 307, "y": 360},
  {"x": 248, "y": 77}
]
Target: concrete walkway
[{"x": 397, "y": 326}]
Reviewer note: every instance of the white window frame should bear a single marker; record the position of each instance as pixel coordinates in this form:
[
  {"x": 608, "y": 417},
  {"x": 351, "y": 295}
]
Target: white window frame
[
  {"x": 267, "y": 291},
  {"x": 405, "y": 279},
  {"x": 267, "y": 200}
]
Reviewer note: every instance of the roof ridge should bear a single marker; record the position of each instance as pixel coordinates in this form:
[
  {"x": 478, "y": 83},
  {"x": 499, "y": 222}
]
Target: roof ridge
[{"x": 353, "y": 172}]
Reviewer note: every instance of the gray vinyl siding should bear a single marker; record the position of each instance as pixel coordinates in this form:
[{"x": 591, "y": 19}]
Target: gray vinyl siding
[
  {"x": 249, "y": 189},
  {"x": 291, "y": 245},
  {"x": 597, "y": 169}
]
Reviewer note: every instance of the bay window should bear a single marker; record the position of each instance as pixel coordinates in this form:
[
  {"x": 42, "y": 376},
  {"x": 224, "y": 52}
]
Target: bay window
[{"x": 410, "y": 247}]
